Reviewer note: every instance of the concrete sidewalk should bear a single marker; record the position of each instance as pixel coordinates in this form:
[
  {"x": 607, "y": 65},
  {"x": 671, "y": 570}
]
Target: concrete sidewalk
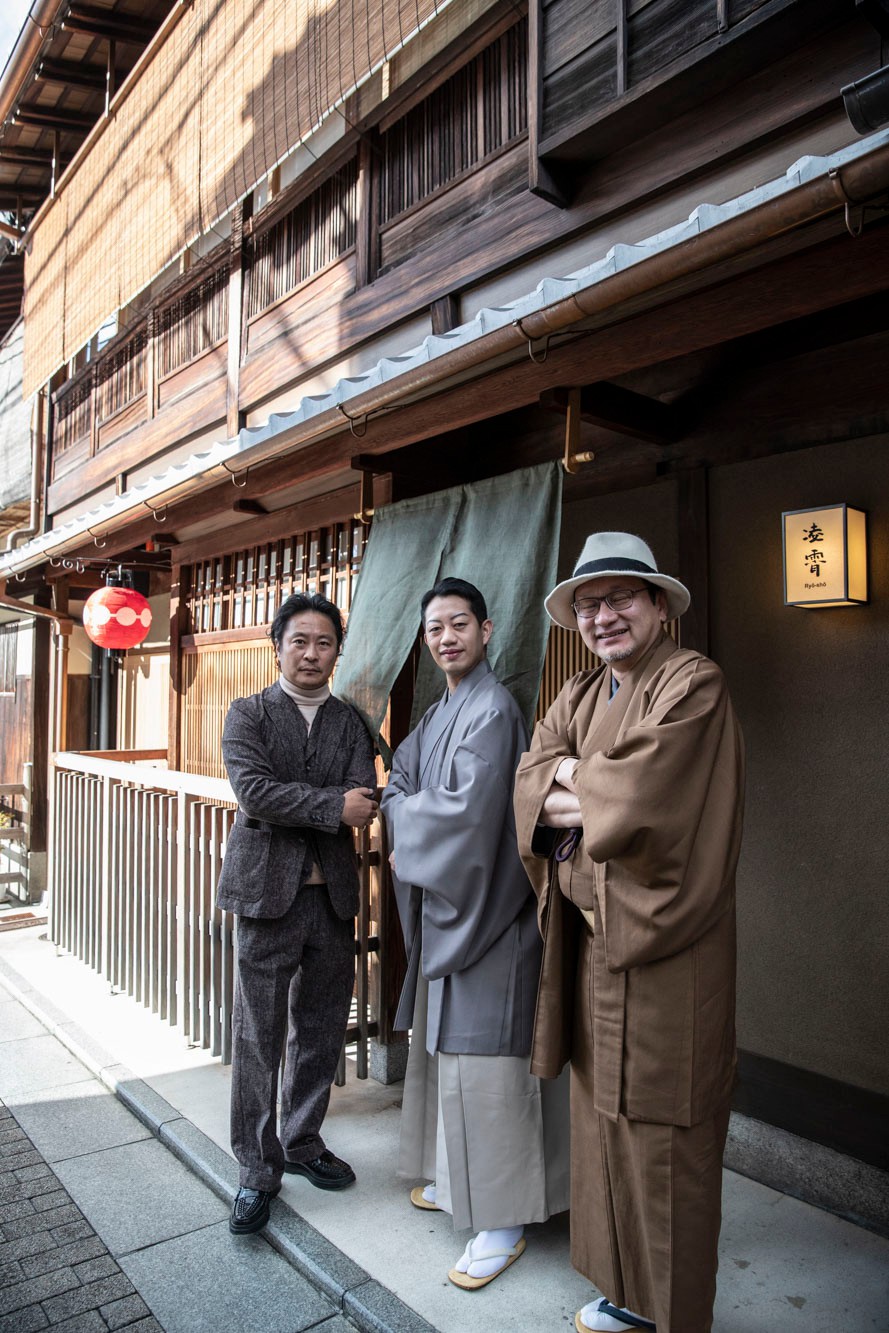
[
  {"x": 783, "y": 1263},
  {"x": 102, "y": 1228}
]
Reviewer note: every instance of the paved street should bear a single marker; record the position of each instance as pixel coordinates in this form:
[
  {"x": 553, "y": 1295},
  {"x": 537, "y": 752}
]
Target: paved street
[{"x": 54, "y": 1270}]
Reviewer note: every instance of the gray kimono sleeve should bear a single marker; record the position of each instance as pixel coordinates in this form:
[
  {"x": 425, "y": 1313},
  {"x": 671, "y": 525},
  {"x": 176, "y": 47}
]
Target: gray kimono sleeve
[
  {"x": 403, "y": 783},
  {"x": 456, "y": 842}
]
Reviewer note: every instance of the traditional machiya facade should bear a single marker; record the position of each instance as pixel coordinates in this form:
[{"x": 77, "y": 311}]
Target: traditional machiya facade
[{"x": 643, "y": 235}]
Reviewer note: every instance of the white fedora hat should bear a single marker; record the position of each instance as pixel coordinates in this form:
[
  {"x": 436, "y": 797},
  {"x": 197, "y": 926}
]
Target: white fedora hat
[{"x": 608, "y": 553}]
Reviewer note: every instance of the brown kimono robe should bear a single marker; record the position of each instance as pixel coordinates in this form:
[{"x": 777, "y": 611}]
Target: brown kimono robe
[{"x": 642, "y": 1002}]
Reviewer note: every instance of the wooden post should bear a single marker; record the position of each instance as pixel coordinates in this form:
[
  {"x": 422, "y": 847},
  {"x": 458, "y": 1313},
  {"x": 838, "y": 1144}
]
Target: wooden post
[
  {"x": 393, "y": 963},
  {"x": 43, "y": 740},
  {"x": 694, "y": 556},
  {"x": 151, "y": 368},
  {"x": 237, "y": 266},
  {"x": 621, "y": 45},
  {"x": 445, "y": 313},
  {"x": 540, "y": 179},
  {"x": 368, "y": 235},
  {"x": 178, "y": 609}
]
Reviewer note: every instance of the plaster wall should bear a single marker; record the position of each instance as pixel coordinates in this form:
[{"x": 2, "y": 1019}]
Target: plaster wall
[
  {"x": 809, "y": 687},
  {"x": 647, "y": 511}
]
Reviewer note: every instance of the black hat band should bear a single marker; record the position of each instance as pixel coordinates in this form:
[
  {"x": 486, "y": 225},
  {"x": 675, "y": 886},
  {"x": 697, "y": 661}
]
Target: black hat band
[{"x": 623, "y": 567}]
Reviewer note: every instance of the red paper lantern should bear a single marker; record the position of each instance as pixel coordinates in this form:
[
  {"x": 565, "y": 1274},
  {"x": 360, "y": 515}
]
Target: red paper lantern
[{"x": 116, "y": 617}]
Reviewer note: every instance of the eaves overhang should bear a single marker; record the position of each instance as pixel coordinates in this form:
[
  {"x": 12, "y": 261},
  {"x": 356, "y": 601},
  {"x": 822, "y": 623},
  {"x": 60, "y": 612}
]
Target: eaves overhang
[{"x": 811, "y": 188}]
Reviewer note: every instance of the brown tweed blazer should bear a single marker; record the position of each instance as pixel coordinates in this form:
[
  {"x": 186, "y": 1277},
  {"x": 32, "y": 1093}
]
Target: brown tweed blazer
[{"x": 290, "y": 784}]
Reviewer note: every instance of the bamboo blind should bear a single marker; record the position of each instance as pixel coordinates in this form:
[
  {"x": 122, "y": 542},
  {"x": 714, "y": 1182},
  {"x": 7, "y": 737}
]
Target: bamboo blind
[{"x": 225, "y": 91}]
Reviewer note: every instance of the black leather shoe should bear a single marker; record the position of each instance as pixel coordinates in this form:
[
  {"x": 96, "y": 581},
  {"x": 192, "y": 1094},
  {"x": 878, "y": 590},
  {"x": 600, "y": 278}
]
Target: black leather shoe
[
  {"x": 250, "y": 1210},
  {"x": 327, "y": 1172}
]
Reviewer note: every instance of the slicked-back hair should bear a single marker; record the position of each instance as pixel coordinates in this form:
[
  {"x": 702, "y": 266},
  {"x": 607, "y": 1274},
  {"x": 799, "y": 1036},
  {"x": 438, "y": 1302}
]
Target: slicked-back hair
[
  {"x": 456, "y": 588},
  {"x": 305, "y": 601}
]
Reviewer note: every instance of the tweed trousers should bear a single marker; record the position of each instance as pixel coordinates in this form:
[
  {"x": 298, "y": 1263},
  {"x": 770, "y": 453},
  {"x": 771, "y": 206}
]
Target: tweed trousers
[{"x": 294, "y": 980}]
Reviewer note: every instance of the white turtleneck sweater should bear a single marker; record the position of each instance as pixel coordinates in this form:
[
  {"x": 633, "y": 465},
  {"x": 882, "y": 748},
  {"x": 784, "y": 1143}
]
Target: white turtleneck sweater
[{"x": 308, "y": 702}]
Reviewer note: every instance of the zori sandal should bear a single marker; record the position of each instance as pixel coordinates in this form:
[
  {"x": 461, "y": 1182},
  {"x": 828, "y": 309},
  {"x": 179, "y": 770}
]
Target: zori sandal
[
  {"x": 608, "y": 1318},
  {"x": 419, "y": 1200},
  {"x": 468, "y": 1283}
]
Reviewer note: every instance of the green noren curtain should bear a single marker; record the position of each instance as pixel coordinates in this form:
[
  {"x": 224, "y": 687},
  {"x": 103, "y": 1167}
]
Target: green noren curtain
[{"x": 501, "y": 534}]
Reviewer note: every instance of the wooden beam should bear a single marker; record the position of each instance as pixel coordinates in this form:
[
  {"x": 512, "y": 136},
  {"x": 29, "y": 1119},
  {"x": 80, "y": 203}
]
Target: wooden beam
[
  {"x": 445, "y": 314},
  {"x": 69, "y": 122},
  {"x": 74, "y": 75},
  {"x": 621, "y": 410},
  {"x": 95, "y": 22},
  {"x": 315, "y": 513}
]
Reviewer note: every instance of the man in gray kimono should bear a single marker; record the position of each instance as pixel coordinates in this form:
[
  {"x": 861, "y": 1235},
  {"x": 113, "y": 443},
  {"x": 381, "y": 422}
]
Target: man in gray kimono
[
  {"x": 473, "y": 1116},
  {"x": 302, "y": 767}
]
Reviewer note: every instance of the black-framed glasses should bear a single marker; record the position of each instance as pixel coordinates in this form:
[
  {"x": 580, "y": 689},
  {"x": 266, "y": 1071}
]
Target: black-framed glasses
[{"x": 585, "y": 608}]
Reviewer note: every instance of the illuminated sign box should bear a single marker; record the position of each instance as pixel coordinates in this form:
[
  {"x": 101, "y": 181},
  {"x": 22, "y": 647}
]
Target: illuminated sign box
[{"x": 825, "y": 556}]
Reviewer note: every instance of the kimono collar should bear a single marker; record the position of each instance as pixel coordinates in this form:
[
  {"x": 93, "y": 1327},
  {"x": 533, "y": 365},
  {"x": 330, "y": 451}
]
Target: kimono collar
[
  {"x": 659, "y": 651},
  {"x": 467, "y": 685}
]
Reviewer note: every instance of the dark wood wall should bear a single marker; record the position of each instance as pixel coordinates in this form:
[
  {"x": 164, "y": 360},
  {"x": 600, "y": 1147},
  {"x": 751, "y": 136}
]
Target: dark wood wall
[{"x": 613, "y": 71}]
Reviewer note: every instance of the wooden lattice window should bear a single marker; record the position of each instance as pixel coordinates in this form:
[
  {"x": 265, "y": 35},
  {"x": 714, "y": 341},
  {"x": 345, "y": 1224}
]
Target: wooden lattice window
[
  {"x": 121, "y": 376},
  {"x": 315, "y": 233},
  {"x": 243, "y": 590},
  {"x": 231, "y": 601},
  {"x": 73, "y": 413},
  {"x": 480, "y": 109},
  {"x": 194, "y": 323}
]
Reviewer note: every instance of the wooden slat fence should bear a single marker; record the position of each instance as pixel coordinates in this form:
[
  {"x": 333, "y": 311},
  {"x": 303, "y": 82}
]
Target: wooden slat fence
[{"x": 137, "y": 854}]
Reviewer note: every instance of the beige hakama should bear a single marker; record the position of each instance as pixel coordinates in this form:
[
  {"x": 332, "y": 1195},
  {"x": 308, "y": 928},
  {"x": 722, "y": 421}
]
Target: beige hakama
[{"x": 493, "y": 1137}]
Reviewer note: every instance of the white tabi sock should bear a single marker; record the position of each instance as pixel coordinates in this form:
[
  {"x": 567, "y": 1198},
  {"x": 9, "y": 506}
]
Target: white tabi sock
[
  {"x": 503, "y": 1238},
  {"x": 429, "y": 1193},
  {"x": 597, "y": 1322}
]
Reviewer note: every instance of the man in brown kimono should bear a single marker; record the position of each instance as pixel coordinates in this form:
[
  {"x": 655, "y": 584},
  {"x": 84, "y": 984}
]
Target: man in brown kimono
[{"x": 637, "y": 774}]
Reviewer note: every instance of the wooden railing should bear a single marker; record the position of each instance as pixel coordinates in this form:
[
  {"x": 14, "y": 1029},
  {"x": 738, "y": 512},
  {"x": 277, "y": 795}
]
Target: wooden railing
[
  {"x": 135, "y": 859},
  {"x": 15, "y": 804}
]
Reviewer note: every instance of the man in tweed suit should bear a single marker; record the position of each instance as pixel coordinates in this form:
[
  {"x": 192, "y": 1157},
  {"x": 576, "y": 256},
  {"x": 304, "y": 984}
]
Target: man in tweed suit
[{"x": 302, "y": 767}]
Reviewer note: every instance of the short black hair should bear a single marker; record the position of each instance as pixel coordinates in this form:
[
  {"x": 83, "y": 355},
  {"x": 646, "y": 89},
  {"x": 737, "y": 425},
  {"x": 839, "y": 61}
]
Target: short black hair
[
  {"x": 306, "y": 601},
  {"x": 456, "y": 588}
]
